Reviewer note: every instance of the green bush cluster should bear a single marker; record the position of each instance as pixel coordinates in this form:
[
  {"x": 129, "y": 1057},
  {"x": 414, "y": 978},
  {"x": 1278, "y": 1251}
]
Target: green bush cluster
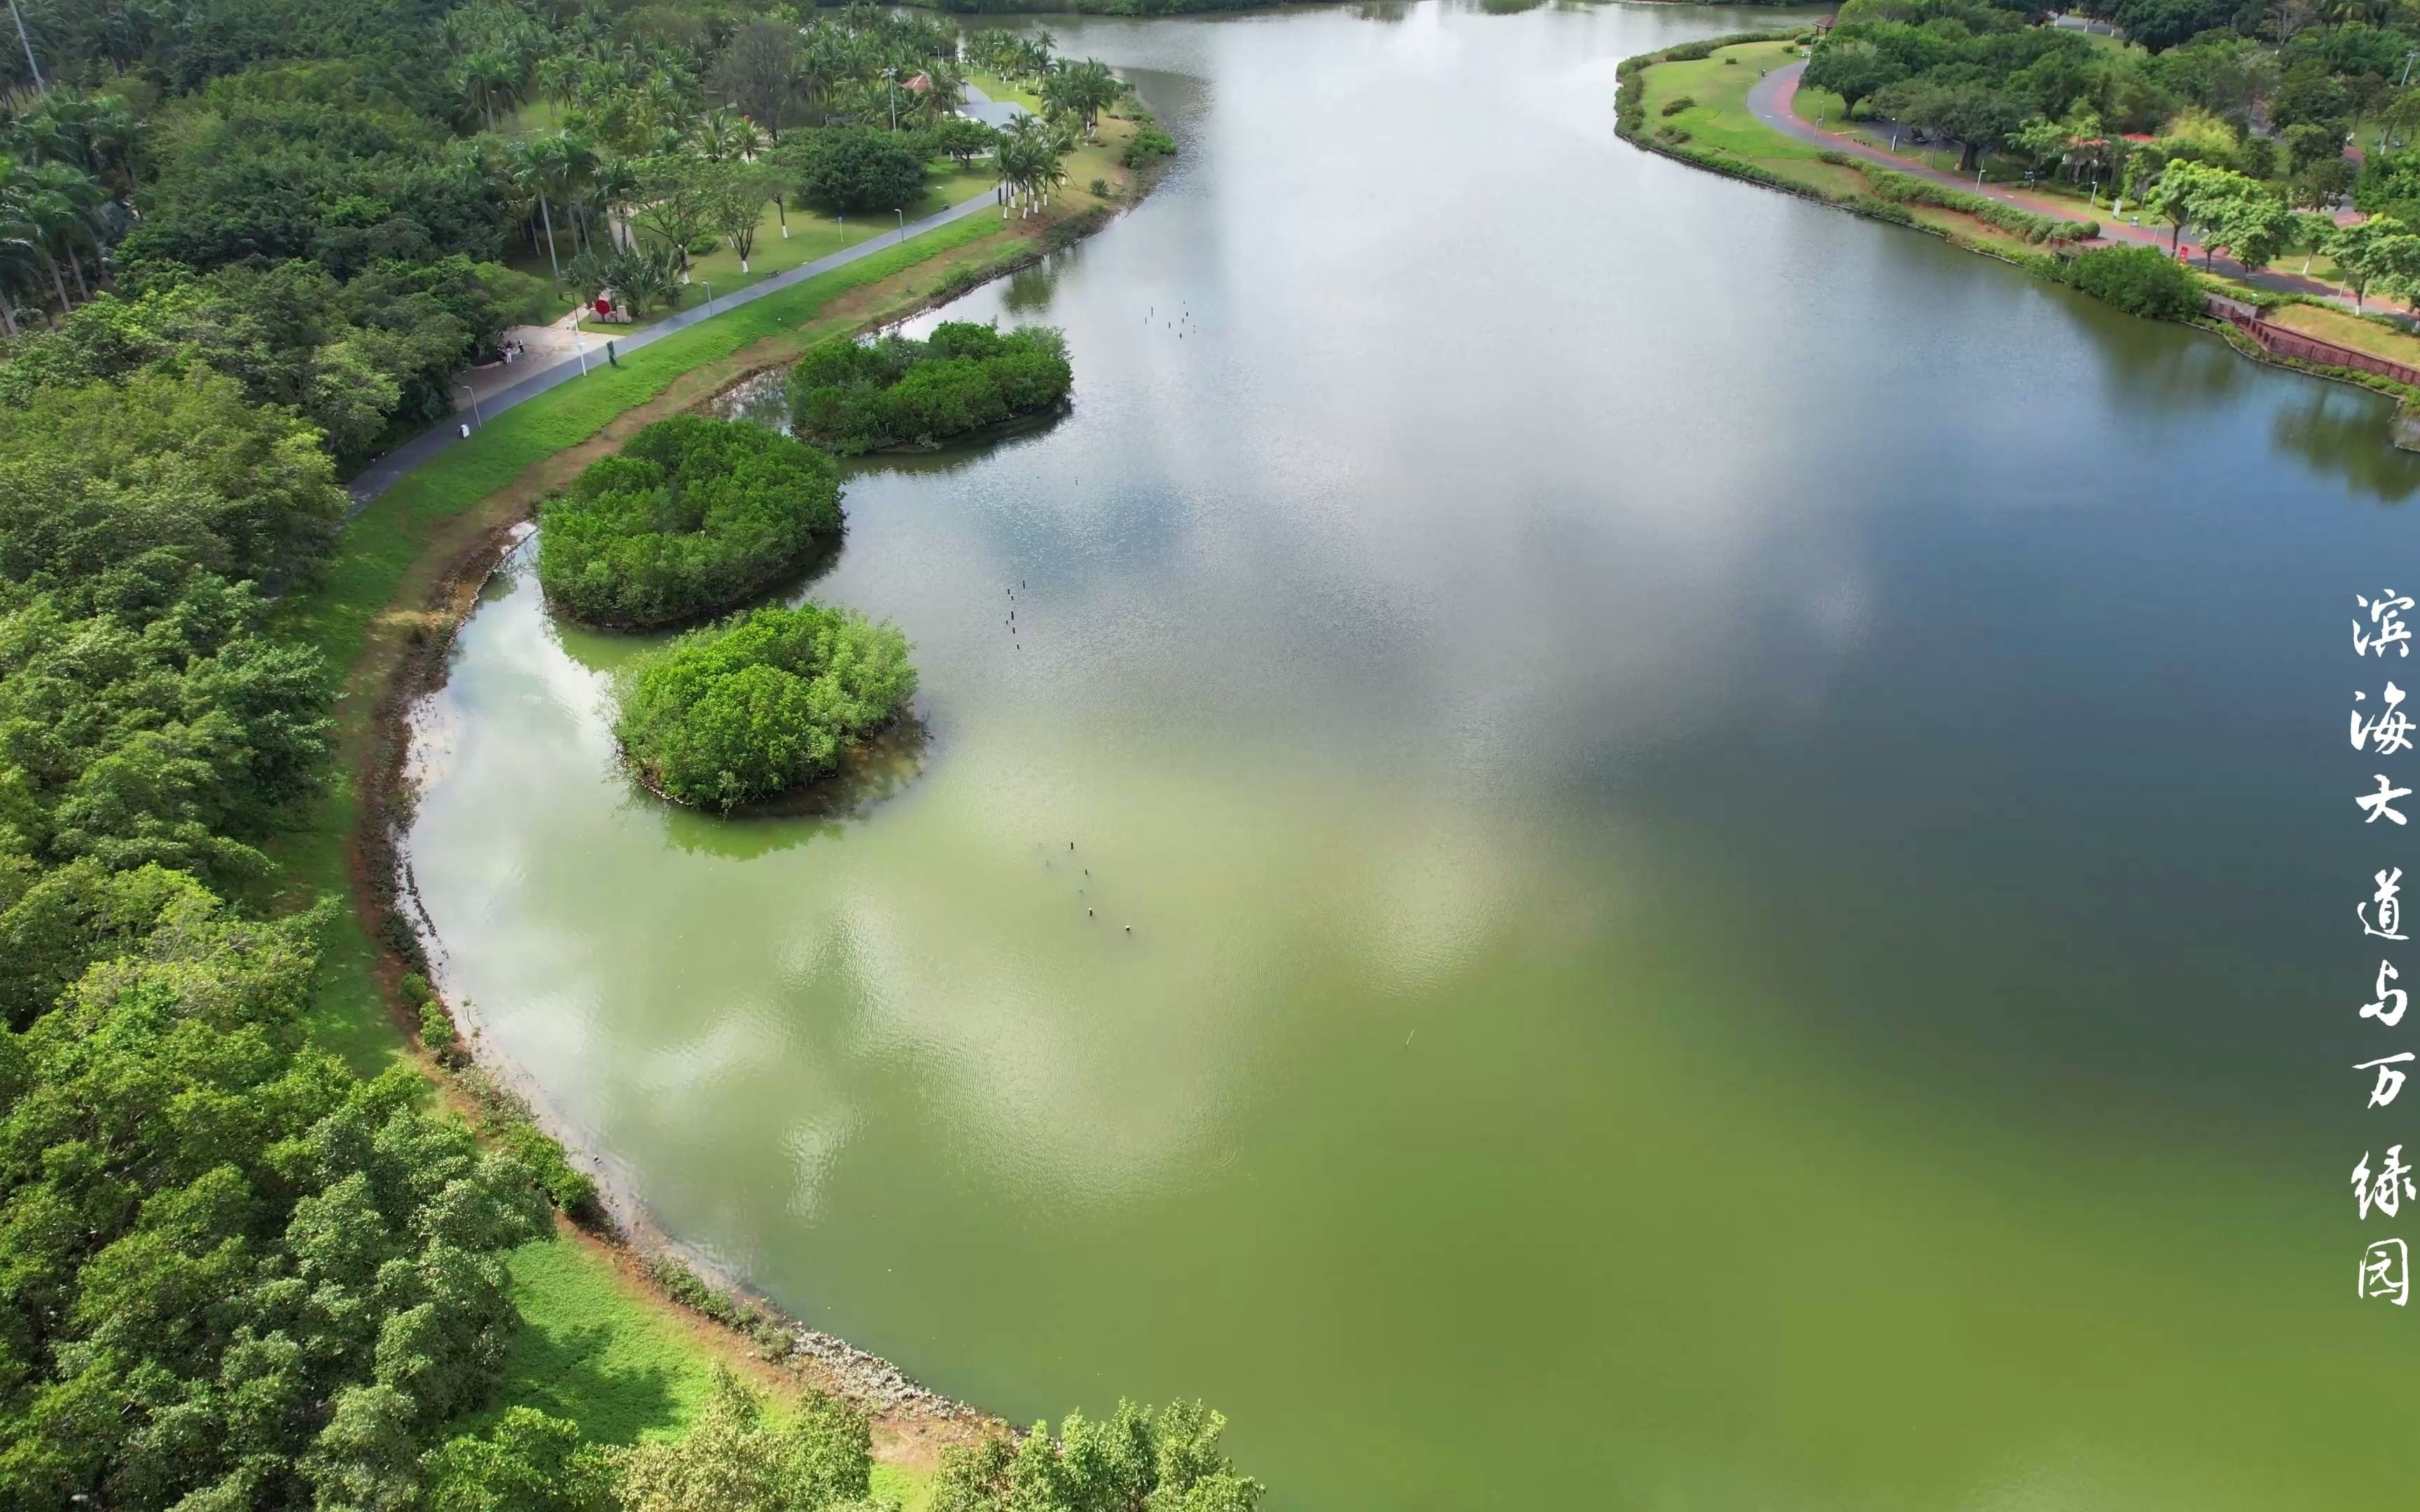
[
  {"x": 1678, "y": 103},
  {"x": 1906, "y": 188},
  {"x": 855, "y": 169},
  {"x": 693, "y": 516},
  {"x": 754, "y": 707},
  {"x": 857, "y": 397},
  {"x": 736, "y": 1456},
  {"x": 686, "y": 1287},
  {"x": 567, "y": 1187},
  {"x": 1135, "y": 1458},
  {"x": 435, "y": 1024},
  {"x": 1149, "y": 144},
  {"x": 2138, "y": 280}
]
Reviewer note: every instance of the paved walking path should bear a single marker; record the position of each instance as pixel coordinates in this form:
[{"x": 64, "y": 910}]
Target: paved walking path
[
  {"x": 1771, "y": 101},
  {"x": 382, "y": 474}
]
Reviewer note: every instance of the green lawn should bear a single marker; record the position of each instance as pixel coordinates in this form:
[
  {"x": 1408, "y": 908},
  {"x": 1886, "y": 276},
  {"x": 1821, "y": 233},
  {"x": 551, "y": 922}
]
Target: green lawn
[
  {"x": 997, "y": 87},
  {"x": 2349, "y": 329},
  {"x": 1719, "y": 117},
  {"x": 593, "y": 1351}
]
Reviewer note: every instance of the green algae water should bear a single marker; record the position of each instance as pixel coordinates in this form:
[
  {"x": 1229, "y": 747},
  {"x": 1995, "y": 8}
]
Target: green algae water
[{"x": 1639, "y": 846}]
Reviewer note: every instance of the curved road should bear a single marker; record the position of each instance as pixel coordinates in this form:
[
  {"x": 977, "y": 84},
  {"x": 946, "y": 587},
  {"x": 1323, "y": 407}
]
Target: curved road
[
  {"x": 382, "y": 474},
  {"x": 1771, "y": 101}
]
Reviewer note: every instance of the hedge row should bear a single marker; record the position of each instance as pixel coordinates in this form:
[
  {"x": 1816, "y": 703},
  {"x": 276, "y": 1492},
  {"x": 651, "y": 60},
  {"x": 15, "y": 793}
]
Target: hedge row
[{"x": 1906, "y": 188}]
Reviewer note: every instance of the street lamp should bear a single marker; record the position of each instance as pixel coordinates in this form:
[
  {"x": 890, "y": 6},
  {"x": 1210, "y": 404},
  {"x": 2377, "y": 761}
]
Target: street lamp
[
  {"x": 902, "y": 222},
  {"x": 577, "y": 351},
  {"x": 475, "y": 405},
  {"x": 29, "y": 44}
]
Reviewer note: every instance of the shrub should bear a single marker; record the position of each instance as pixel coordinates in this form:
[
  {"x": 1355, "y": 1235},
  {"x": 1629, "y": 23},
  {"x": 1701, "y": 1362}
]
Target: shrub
[
  {"x": 436, "y": 1028},
  {"x": 2138, "y": 279},
  {"x": 683, "y": 1285},
  {"x": 570, "y": 1189},
  {"x": 854, "y": 169},
  {"x": 695, "y": 515},
  {"x": 1906, "y": 188},
  {"x": 1675, "y": 134},
  {"x": 1678, "y": 103},
  {"x": 859, "y": 398},
  {"x": 754, "y": 707},
  {"x": 1149, "y": 144},
  {"x": 1100, "y": 188}
]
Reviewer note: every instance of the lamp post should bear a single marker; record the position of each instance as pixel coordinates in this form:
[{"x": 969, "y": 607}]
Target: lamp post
[
  {"x": 29, "y": 44},
  {"x": 475, "y": 405},
  {"x": 902, "y": 222},
  {"x": 577, "y": 349}
]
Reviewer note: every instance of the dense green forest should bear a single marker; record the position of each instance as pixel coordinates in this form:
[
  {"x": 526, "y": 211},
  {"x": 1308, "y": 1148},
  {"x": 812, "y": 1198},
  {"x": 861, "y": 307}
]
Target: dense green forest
[
  {"x": 855, "y": 397},
  {"x": 690, "y": 517},
  {"x": 342, "y": 205},
  {"x": 245, "y": 245}
]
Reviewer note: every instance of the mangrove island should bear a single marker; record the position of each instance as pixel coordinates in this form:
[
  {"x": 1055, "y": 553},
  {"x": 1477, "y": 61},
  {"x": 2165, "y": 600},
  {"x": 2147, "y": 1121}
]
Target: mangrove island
[
  {"x": 752, "y": 708},
  {"x": 692, "y": 517},
  {"x": 899, "y": 392}
]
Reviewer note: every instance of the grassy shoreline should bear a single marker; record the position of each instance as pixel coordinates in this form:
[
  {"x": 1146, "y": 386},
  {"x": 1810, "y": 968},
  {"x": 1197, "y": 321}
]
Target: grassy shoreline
[
  {"x": 1709, "y": 126},
  {"x": 605, "y": 1342}
]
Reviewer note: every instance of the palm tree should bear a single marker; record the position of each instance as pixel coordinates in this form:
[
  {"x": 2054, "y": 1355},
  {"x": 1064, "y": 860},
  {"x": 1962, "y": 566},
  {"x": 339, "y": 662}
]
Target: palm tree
[
  {"x": 821, "y": 62},
  {"x": 486, "y": 80},
  {"x": 57, "y": 201},
  {"x": 717, "y": 136},
  {"x": 1092, "y": 89},
  {"x": 613, "y": 182},
  {"x": 945, "y": 91},
  {"x": 546, "y": 169},
  {"x": 1031, "y": 166},
  {"x": 19, "y": 250},
  {"x": 559, "y": 80},
  {"x": 97, "y": 133}
]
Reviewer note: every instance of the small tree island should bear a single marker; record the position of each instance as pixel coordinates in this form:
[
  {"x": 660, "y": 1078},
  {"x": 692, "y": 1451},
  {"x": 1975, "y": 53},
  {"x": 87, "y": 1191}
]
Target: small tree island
[
  {"x": 898, "y": 393},
  {"x": 760, "y": 705},
  {"x": 692, "y": 517}
]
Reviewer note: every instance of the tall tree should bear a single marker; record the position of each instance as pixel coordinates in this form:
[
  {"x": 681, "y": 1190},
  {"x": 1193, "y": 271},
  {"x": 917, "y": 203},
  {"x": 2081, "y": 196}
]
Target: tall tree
[{"x": 759, "y": 72}]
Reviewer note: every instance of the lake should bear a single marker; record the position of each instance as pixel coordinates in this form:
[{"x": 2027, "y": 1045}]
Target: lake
[{"x": 1734, "y": 823}]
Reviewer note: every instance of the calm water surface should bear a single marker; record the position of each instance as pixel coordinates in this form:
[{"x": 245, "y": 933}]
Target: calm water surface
[{"x": 1734, "y": 824}]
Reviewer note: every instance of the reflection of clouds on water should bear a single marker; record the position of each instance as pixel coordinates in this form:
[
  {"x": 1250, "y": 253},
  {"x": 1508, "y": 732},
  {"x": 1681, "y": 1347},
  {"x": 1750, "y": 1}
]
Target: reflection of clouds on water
[
  {"x": 1072, "y": 1061},
  {"x": 815, "y": 1148},
  {"x": 1434, "y": 893}
]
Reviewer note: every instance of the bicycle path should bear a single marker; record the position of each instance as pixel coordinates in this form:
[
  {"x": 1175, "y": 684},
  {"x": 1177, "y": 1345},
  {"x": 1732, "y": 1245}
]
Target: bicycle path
[{"x": 1772, "y": 101}]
